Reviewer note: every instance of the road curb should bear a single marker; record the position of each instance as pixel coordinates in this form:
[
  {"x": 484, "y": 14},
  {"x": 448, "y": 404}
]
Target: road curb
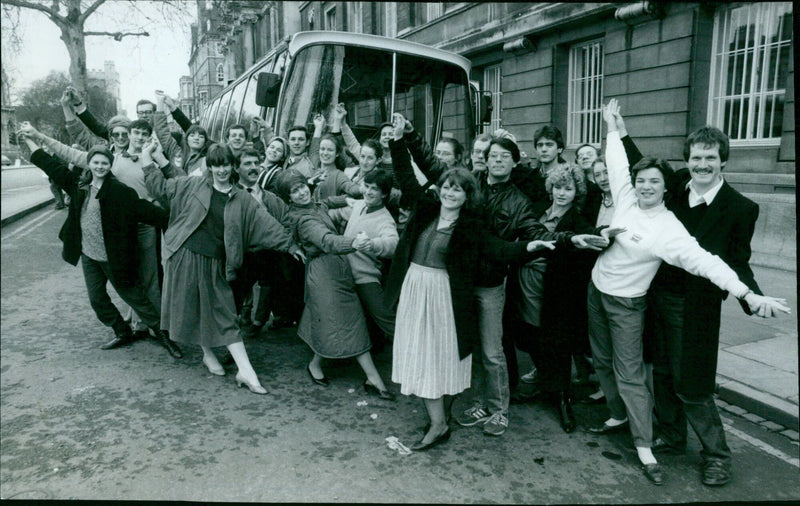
[
  {"x": 760, "y": 403},
  {"x": 25, "y": 212}
]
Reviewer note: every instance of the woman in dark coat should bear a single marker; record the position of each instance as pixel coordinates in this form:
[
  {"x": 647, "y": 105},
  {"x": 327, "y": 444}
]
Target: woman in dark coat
[
  {"x": 432, "y": 280},
  {"x": 333, "y": 323},
  {"x": 101, "y": 232}
]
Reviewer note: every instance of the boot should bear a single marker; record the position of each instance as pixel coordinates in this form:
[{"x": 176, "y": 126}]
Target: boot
[
  {"x": 162, "y": 337},
  {"x": 565, "y": 414}
]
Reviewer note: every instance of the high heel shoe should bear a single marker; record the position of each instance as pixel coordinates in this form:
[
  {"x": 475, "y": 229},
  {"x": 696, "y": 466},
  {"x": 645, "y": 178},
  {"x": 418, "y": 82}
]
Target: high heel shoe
[
  {"x": 419, "y": 446},
  {"x": 215, "y": 371},
  {"x": 256, "y": 389},
  {"x": 323, "y": 382},
  {"x": 383, "y": 394}
]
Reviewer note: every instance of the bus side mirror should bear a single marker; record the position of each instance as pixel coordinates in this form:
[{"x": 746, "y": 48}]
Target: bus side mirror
[{"x": 267, "y": 89}]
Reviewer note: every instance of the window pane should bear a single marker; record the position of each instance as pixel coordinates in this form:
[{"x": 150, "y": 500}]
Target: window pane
[
  {"x": 585, "y": 94},
  {"x": 749, "y": 69}
]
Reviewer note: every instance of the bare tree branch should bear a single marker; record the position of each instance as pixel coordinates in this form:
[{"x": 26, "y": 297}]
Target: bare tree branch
[
  {"x": 88, "y": 12},
  {"x": 118, "y": 35},
  {"x": 30, "y": 5}
]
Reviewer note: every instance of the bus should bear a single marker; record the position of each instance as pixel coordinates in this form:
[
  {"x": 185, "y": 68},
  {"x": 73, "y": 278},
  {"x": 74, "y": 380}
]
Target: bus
[{"x": 311, "y": 72}]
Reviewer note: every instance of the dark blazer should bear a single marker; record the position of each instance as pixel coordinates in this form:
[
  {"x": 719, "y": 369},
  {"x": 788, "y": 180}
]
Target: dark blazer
[
  {"x": 725, "y": 230},
  {"x": 121, "y": 210},
  {"x": 468, "y": 243}
]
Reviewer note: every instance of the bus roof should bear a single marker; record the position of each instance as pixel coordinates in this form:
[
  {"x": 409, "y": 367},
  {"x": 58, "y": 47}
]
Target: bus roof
[{"x": 304, "y": 39}]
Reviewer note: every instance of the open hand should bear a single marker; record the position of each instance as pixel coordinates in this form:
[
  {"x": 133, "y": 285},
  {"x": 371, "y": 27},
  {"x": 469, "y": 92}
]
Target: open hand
[
  {"x": 540, "y": 245},
  {"x": 765, "y": 306},
  {"x": 299, "y": 255},
  {"x": 588, "y": 241},
  {"x": 170, "y": 102},
  {"x": 610, "y": 233}
]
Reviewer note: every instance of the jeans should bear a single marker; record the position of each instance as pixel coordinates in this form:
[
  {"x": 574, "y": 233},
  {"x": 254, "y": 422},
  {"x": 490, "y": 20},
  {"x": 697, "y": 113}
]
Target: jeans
[
  {"x": 490, "y": 377},
  {"x": 672, "y": 409},
  {"x": 371, "y": 296},
  {"x": 148, "y": 271},
  {"x": 615, "y": 334},
  {"x": 97, "y": 274}
]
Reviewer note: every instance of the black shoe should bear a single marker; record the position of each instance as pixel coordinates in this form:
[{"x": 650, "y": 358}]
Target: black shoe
[
  {"x": 162, "y": 338},
  {"x": 609, "y": 429},
  {"x": 372, "y": 389},
  {"x": 141, "y": 335},
  {"x": 323, "y": 382},
  {"x": 565, "y": 414},
  {"x": 122, "y": 337},
  {"x": 662, "y": 447},
  {"x": 419, "y": 446},
  {"x": 60, "y": 205},
  {"x": 591, "y": 400},
  {"x": 716, "y": 473},
  {"x": 653, "y": 473},
  {"x": 520, "y": 397}
]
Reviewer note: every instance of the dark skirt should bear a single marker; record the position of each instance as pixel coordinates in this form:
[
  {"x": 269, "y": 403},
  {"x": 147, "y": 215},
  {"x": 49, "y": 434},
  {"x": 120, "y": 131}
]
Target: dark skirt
[
  {"x": 333, "y": 323},
  {"x": 197, "y": 304}
]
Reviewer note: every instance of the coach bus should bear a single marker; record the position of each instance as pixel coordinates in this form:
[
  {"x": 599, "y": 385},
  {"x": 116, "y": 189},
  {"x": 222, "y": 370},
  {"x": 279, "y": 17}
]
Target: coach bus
[{"x": 311, "y": 72}]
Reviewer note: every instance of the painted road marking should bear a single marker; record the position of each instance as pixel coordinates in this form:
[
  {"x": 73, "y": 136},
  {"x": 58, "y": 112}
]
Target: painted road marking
[
  {"x": 761, "y": 445},
  {"x": 33, "y": 225}
]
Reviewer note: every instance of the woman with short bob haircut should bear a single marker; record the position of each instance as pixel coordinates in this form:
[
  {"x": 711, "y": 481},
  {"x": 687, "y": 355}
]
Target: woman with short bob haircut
[{"x": 211, "y": 223}]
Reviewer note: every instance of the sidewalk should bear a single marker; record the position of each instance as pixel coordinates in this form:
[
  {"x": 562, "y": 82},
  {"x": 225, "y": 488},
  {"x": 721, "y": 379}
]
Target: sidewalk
[
  {"x": 757, "y": 365},
  {"x": 16, "y": 206}
]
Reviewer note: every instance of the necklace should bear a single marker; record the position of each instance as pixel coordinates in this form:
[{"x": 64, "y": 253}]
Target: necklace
[{"x": 608, "y": 201}]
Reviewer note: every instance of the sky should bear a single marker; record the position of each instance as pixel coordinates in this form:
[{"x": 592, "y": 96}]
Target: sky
[{"x": 143, "y": 63}]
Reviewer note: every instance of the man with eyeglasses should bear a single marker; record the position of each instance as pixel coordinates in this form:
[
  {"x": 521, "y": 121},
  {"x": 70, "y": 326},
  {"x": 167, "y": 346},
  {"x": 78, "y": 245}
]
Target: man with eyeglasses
[
  {"x": 145, "y": 110},
  {"x": 127, "y": 168}
]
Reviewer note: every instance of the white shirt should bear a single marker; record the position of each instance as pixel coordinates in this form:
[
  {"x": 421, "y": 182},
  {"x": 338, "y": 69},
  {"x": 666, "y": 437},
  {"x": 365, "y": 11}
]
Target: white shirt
[
  {"x": 254, "y": 191},
  {"x": 628, "y": 266},
  {"x": 695, "y": 199}
]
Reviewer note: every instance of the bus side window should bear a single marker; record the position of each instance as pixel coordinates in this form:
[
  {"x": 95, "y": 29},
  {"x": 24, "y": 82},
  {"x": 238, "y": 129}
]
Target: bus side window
[
  {"x": 249, "y": 106},
  {"x": 217, "y": 132},
  {"x": 234, "y": 108},
  {"x": 213, "y": 107}
]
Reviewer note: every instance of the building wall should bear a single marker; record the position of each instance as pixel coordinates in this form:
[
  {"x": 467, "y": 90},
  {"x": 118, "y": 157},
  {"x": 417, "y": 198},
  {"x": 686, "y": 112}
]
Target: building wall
[{"x": 659, "y": 70}]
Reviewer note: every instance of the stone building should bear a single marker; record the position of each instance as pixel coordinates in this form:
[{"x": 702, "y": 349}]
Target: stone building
[
  {"x": 107, "y": 79},
  {"x": 186, "y": 97},
  {"x": 673, "y": 67}
]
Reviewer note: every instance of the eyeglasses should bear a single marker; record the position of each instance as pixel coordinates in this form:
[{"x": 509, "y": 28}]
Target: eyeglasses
[
  {"x": 503, "y": 156},
  {"x": 119, "y": 135},
  {"x": 145, "y": 113}
]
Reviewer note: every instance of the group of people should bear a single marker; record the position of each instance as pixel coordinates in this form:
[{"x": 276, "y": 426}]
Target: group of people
[{"x": 613, "y": 262}]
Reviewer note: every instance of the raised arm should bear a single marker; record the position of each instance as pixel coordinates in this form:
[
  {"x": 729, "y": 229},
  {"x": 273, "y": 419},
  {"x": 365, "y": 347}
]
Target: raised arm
[
  {"x": 161, "y": 189},
  {"x": 66, "y": 153},
  {"x": 161, "y": 129},
  {"x": 422, "y": 153},
  {"x": 403, "y": 172},
  {"x": 177, "y": 114},
  {"x": 619, "y": 178},
  {"x": 53, "y": 167}
]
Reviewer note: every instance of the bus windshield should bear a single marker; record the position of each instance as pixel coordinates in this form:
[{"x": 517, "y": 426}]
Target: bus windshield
[{"x": 432, "y": 94}]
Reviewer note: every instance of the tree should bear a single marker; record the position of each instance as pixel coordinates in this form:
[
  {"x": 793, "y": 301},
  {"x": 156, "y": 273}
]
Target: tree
[
  {"x": 70, "y": 16},
  {"x": 41, "y": 106}
]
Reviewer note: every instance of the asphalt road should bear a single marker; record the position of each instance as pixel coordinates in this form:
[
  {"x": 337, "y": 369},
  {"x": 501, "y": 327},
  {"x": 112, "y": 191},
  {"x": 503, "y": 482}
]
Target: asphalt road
[
  {"x": 23, "y": 178},
  {"x": 77, "y": 422}
]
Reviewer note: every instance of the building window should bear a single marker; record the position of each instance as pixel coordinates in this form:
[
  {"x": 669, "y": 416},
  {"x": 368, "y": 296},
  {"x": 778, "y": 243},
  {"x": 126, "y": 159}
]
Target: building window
[
  {"x": 433, "y": 11},
  {"x": 492, "y": 79},
  {"x": 203, "y": 97},
  {"x": 274, "y": 27},
  {"x": 390, "y": 19},
  {"x": 221, "y": 73},
  {"x": 355, "y": 17},
  {"x": 330, "y": 18},
  {"x": 585, "y": 94},
  {"x": 749, "y": 68}
]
